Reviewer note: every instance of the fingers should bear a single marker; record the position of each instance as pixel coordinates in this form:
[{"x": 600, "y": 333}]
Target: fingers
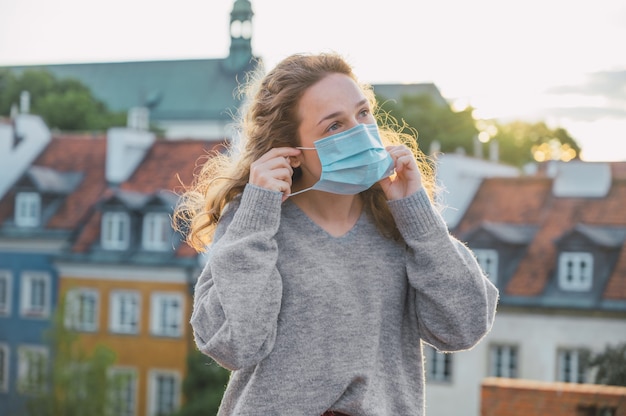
[
  {"x": 402, "y": 157},
  {"x": 407, "y": 179},
  {"x": 274, "y": 169}
]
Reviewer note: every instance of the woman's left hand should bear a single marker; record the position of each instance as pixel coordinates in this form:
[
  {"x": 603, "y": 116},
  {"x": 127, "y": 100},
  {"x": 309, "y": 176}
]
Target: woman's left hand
[{"x": 407, "y": 180}]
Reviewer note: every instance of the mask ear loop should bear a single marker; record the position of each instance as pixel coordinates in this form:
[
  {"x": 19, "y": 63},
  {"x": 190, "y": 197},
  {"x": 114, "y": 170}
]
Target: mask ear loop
[{"x": 307, "y": 189}]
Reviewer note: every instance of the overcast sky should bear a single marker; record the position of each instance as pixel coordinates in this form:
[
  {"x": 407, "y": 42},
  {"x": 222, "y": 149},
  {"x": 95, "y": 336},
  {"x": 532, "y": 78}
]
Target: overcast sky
[{"x": 559, "y": 61}]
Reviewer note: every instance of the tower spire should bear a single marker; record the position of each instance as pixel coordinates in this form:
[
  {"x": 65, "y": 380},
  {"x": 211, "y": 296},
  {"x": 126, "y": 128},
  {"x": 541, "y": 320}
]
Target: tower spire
[{"x": 240, "y": 35}]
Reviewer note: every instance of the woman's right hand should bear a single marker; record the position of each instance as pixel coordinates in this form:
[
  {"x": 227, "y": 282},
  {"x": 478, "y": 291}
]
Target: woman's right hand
[{"x": 274, "y": 169}]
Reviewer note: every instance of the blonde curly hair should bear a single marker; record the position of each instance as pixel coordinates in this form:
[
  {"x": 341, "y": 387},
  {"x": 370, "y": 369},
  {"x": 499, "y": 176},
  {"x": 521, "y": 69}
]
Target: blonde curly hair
[{"x": 268, "y": 118}]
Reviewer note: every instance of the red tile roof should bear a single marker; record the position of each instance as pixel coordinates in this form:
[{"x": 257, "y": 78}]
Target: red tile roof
[
  {"x": 529, "y": 200},
  {"x": 71, "y": 153},
  {"x": 514, "y": 397},
  {"x": 164, "y": 167}
]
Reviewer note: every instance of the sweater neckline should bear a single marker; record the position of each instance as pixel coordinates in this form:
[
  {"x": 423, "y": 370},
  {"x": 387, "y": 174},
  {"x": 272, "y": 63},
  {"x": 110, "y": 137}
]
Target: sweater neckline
[{"x": 301, "y": 214}]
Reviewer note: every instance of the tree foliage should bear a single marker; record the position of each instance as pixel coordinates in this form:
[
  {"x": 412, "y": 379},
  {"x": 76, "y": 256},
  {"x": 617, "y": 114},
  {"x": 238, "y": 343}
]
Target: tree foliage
[
  {"x": 64, "y": 104},
  {"x": 433, "y": 122},
  {"x": 77, "y": 383},
  {"x": 610, "y": 365},
  {"x": 519, "y": 142},
  {"x": 203, "y": 386}
]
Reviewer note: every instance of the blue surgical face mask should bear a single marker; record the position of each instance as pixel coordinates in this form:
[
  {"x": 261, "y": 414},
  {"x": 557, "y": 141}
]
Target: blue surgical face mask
[{"x": 352, "y": 161}]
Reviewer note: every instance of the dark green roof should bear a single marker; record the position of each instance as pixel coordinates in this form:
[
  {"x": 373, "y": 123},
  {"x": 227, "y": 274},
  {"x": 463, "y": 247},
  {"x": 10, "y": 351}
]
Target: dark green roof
[
  {"x": 201, "y": 89},
  {"x": 397, "y": 91}
]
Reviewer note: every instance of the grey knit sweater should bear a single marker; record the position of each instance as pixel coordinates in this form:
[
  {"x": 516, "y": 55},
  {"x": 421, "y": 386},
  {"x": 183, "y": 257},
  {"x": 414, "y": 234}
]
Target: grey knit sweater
[{"x": 310, "y": 322}]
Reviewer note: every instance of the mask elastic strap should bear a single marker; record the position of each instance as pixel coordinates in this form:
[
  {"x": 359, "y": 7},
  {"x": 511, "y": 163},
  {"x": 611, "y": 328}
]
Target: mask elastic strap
[
  {"x": 307, "y": 189},
  {"x": 301, "y": 191}
]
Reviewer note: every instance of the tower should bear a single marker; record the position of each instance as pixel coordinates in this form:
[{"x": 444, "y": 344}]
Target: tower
[{"x": 240, "y": 36}]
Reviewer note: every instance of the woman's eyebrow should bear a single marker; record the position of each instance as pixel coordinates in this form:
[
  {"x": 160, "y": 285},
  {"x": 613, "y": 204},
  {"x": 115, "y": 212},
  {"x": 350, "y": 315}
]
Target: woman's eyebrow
[{"x": 337, "y": 113}]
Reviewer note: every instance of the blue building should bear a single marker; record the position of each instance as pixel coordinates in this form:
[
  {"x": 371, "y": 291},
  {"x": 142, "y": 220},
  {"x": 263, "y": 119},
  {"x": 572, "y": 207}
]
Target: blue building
[{"x": 28, "y": 283}]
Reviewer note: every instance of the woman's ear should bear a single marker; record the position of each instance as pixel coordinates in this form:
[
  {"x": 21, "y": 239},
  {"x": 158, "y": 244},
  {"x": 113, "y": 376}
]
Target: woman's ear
[{"x": 295, "y": 161}]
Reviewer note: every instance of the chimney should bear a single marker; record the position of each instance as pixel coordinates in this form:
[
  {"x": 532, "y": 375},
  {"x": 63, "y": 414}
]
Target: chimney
[
  {"x": 494, "y": 150},
  {"x": 435, "y": 148},
  {"x": 478, "y": 148},
  {"x": 126, "y": 149},
  {"x": 25, "y": 102},
  {"x": 21, "y": 141},
  {"x": 138, "y": 118}
]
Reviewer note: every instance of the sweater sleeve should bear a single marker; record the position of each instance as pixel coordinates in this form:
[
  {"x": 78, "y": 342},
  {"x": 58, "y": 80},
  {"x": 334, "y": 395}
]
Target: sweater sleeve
[
  {"x": 238, "y": 294},
  {"x": 455, "y": 302}
]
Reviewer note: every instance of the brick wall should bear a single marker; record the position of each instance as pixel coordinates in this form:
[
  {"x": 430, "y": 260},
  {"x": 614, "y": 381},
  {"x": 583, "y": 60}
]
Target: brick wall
[{"x": 514, "y": 397}]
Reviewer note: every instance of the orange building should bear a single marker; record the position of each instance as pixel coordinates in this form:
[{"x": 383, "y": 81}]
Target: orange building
[{"x": 125, "y": 275}]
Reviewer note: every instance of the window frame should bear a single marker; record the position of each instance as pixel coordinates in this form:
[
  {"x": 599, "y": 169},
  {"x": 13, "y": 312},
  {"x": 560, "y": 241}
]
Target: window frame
[
  {"x": 439, "y": 366},
  {"x": 115, "y": 230},
  {"x": 579, "y": 280},
  {"x": 580, "y": 368},
  {"x": 129, "y": 392},
  {"x": 116, "y": 301},
  {"x": 155, "y": 394},
  {"x": 156, "y": 224},
  {"x": 5, "y": 352},
  {"x": 488, "y": 260},
  {"x": 73, "y": 318},
  {"x": 504, "y": 361},
  {"x": 24, "y": 364},
  {"x": 157, "y": 315},
  {"x": 27, "y": 211},
  {"x": 27, "y": 308},
  {"x": 6, "y": 297}
]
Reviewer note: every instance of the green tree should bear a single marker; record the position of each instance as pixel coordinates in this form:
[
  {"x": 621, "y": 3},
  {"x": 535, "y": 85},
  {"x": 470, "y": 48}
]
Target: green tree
[
  {"x": 65, "y": 104},
  {"x": 610, "y": 365},
  {"x": 77, "y": 383},
  {"x": 519, "y": 142},
  {"x": 433, "y": 122},
  {"x": 203, "y": 386}
]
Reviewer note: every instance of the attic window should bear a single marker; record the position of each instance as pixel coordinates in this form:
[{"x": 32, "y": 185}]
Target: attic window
[
  {"x": 115, "y": 233},
  {"x": 575, "y": 271},
  {"x": 27, "y": 209},
  {"x": 156, "y": 231},
  {"x": 488, "y": 261}
]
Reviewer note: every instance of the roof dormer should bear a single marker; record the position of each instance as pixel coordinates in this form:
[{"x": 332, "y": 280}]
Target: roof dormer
[
  {"x": 40, "y": 193},
  {"x": 499, "y": 247},
  {"x": 137, "y": 222},
  {"x": 586, "y": 256}
]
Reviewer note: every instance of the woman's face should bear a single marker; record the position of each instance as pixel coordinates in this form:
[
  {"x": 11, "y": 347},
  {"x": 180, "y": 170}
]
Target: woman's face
[{"x": 332, "y": 105}]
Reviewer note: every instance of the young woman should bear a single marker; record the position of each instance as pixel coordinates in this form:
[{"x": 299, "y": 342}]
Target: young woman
[{"x": 328, "y": 265}]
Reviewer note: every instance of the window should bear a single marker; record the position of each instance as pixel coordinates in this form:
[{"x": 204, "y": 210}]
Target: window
[
  {"x": 592, "y": 410},
  {"x": 124, "y": 391},
  {"x": 503, "y": 361},
  {"x": 156, "y": 231},
  {"x": 438, "y": 365},
  {"x": 81, "y": 309},
  {"x": 124, "y": 312},
  {"x": 4, "y": 368},
  {"x": 32, "y": 369},
  {"x": 166, "y": 313},
  {"x": 115, "y": 233},
  {"x": 27, "y": 209},
  {"x": 572, "y": 366},
  {"x": 575, "y": 271},
  {"x": 488, "y": 261},
  {"x": 164, "y": 393},
  {"x": 35, "y": 296},
  {"x": 5, "y": 292}
]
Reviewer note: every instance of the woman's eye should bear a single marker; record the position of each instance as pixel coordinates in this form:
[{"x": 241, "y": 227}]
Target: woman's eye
[
  {"x": 333, "y": 127},
  {"x": 364, "y": 113}
]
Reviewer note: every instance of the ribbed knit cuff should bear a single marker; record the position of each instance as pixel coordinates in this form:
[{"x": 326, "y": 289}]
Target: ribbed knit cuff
[
  {"x": 259, "y": 209},
  {"x": 415, "y": 214}
]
